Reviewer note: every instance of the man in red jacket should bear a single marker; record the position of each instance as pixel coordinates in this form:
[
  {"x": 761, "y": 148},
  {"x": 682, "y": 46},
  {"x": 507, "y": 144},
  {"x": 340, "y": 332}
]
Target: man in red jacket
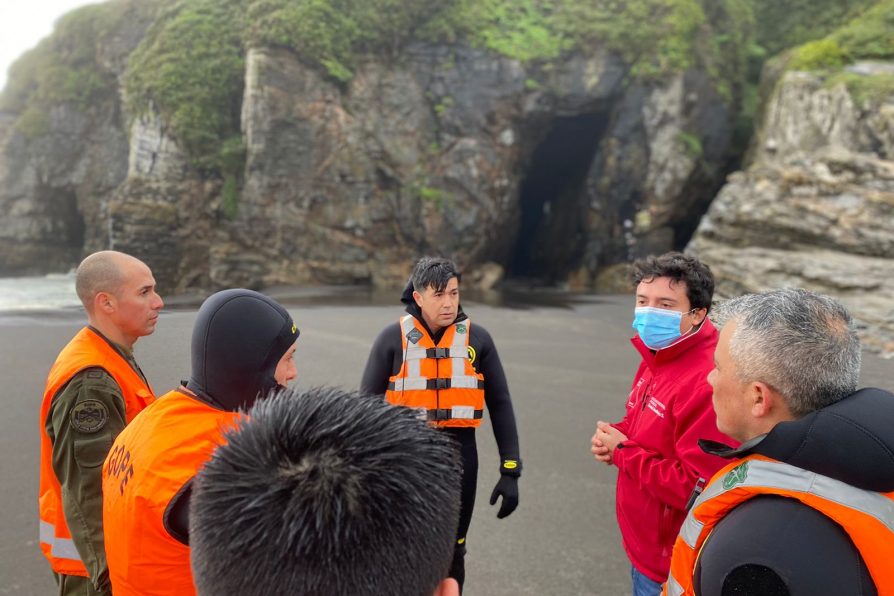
[{"x": 655, "y": 447}]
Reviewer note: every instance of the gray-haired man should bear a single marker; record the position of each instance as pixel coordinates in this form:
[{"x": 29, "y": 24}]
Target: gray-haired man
[{"x": 804, "y": 511}]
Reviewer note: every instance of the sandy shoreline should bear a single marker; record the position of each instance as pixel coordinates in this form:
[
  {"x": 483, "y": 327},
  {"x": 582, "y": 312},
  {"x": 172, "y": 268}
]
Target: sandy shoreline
[{"x": 567, "y": 365}]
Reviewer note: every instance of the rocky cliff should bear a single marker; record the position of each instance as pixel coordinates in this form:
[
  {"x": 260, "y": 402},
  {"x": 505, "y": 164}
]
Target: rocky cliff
[
  {"x": 262, "y": 142},
  {"x": 551, "y": 174},
  {"x": 815, "y": 206}
]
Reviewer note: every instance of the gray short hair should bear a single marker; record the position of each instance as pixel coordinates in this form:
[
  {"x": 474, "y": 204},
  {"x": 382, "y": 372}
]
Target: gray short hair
[{"x": 802, "y": 344}]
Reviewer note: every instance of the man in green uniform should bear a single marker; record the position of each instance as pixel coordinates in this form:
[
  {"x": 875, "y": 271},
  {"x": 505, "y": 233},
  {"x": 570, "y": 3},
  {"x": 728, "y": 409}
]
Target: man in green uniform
[{"x": 93, "y": 390}]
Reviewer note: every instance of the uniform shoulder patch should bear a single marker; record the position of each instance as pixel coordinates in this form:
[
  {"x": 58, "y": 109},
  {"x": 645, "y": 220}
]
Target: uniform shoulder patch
[
  {"x": 460, "y": 328},
  {"x": 89, "y": 416},
  {"x": 95, "y": 374},
  {"x": 414, "y": 336}
]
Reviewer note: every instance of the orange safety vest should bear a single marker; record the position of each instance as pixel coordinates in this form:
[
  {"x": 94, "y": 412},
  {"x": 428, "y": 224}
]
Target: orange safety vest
[
  {"x": 866, "y": 516},
  {"x": 150, "y": 462},
  {"x": 438, "y": 378},
  {"x": 86, "y": 350}
]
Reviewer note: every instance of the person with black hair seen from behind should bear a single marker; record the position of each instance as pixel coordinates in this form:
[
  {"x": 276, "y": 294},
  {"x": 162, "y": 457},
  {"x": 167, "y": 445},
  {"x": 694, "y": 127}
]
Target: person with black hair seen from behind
[
  {"x": 655, "y": 446},
  {"x": 94, "y": 389},
  {"x": 436, "y": 360},
  {"x": 805, "y": 506},
  {"x": 326, "y": 493},
  {"x": 243, "y": 346}
]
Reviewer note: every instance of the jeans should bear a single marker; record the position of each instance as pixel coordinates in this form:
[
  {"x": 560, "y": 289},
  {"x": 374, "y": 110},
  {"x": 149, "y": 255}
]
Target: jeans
[{"x": 642, "y": 585}]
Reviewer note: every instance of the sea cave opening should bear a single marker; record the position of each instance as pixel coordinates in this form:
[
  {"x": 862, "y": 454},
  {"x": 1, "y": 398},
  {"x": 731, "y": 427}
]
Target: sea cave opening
[{"x": 552, "y": 232}]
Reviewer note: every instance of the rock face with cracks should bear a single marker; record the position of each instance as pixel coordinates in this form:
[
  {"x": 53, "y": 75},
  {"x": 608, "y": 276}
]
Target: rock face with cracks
[
  {"x": 815, "y": 207},
  {"x": 449, "y": 150}
]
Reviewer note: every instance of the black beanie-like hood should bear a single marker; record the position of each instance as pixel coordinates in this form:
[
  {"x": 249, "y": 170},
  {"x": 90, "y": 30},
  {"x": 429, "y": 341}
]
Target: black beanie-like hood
[{"x": 238, "y": 339}]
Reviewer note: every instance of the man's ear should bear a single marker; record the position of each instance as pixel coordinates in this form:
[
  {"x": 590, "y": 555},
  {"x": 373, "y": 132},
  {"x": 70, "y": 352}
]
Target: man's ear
[
  {"x": 700, "y": 315},
  {"x": 418, "y": 298},
  {"x": 447, "y": 587},
  {"x": 104, "y": 302},
  {"x": 764, "y": 401}
]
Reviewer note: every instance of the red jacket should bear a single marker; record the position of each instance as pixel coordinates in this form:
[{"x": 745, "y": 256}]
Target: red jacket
[{"x": 668, "y": 410}]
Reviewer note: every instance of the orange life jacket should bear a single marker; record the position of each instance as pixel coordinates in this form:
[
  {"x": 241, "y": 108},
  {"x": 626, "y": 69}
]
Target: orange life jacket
[
  {"x": 150, "y": 462},
  {"x": 86, "y": 350},
  {"x": 866, "y": 516},
  {"x": 439, "y": 379}
]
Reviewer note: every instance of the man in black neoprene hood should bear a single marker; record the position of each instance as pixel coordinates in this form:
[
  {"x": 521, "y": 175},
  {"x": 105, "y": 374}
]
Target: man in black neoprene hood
[
  {"x": 243, "y": 347},
  {"x": 436, "y": 360}
]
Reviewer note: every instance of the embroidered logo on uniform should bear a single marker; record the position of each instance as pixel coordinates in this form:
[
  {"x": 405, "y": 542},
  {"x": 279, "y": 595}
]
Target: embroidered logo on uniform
[
  {"x": 294, "y": 328},
  {"x": 460, "y": 328},
  {"x": 735, "y": 476},
  {"x": 414, "y": 336},
  {"x": 89, "y": 416},
  {"x": 472, "y": 354}
]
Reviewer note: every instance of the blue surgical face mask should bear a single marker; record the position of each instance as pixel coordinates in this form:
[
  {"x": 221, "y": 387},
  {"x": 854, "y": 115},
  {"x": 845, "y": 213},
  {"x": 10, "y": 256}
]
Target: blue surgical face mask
[{"x": 657, "y": 327}]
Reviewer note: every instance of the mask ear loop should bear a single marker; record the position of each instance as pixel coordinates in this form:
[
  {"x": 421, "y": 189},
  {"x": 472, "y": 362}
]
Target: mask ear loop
[
  {"x": 689, "y": 333},
  {"x": 702, "y": 321}
]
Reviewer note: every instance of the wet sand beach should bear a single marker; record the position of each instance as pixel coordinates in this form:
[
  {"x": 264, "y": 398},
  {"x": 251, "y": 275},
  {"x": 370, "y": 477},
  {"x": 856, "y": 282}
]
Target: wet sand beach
[{"x": 568, "y": 364}]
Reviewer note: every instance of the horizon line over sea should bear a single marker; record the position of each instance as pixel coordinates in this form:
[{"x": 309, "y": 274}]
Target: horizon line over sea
[{"x": 53, "y": 296}]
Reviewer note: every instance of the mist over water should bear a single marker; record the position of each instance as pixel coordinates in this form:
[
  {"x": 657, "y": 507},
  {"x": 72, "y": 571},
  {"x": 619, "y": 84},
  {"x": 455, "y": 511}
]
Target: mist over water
[{"x": 55, "y": 291}]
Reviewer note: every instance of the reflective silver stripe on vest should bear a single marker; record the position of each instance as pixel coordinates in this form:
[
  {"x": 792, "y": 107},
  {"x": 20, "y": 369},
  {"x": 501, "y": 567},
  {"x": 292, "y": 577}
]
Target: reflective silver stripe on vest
[
  {"x": 783, "y": 476},
  {"x": 420, "y": 353},
  {"x": 61, "y": 548},
  {"x": 459, "y": 353},
  {"x": 413, "y": 365},
  {"x": 414, "y": 381},
  {"x": 673, "y": 588},
  {"x": 421, "y": 384}
]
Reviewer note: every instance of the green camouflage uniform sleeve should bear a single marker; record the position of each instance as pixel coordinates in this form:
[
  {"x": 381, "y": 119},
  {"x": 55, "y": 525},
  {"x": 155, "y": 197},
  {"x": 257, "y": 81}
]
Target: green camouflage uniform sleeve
[{"x": 84, "y": 419}]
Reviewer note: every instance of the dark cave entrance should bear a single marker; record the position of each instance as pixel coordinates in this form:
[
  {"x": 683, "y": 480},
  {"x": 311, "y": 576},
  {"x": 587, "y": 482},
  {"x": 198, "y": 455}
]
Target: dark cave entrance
[{"x": 552, "y": 233}]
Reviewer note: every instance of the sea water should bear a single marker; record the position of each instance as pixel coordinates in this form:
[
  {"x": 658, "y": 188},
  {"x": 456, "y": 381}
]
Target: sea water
[{"x": 55, "y": 291}]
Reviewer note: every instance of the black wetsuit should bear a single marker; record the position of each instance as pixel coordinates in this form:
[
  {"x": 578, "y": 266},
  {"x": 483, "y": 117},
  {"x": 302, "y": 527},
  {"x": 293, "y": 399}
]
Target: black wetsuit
[
  {"x": 385, "y": 360},
  {"x": 776, "y": 546}
]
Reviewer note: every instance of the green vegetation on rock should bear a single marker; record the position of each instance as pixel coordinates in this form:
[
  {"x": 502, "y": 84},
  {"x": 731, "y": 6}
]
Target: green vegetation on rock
[
  {"x": 189, "y": 66},
  {"x": 868, "y": 36},
  {"x": 794, "y": 22},
  {"x": 63, "y": 68}
]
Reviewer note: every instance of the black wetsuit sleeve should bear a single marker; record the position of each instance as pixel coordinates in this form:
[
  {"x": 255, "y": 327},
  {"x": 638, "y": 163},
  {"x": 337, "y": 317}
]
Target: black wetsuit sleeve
[
  {"x": 496, "y": 392},
  {"x": 384, "y": 361}
]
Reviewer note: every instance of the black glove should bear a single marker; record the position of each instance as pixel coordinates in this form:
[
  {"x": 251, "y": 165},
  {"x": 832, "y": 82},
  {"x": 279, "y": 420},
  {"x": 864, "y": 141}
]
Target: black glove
[{"x": 507, "y": 487}]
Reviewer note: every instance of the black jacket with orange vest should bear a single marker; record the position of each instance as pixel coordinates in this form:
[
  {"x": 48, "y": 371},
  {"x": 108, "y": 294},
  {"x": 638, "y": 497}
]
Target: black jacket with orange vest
[
  {"x": 386, "y": 358},
  {"x": 809, "y": 510}
]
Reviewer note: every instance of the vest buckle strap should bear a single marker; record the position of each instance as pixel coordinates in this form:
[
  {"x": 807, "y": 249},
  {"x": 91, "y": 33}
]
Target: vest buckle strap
[
  {"x": 455, "y": 413},
  {"x": 438, "y": 353},
  {"x": 437, "y": 384}
]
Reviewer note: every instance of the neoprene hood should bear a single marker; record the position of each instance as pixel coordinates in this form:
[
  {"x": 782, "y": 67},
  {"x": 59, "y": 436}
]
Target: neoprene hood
[{"x": 238, "y": 339}]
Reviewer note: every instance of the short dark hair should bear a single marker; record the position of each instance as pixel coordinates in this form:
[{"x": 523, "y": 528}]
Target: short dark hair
[
  {"x": 326, "y": 492},
  {"x": 680, "y": 268},
  {"x": 435, "y": 272}
]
